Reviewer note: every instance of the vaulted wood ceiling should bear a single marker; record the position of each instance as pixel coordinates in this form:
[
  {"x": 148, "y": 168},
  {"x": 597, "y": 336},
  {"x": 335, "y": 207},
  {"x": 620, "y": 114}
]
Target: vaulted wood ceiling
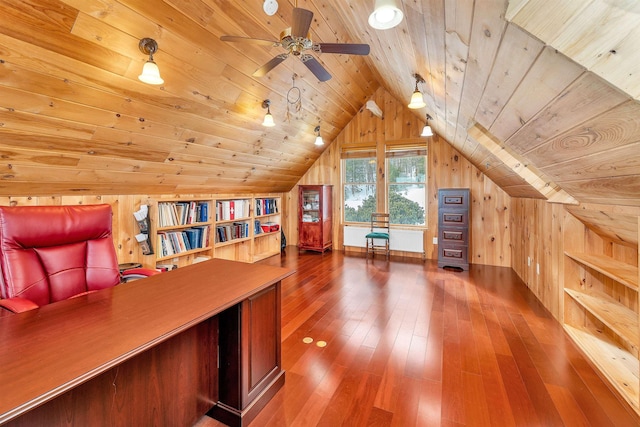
[{"x": 499, "y": 83}]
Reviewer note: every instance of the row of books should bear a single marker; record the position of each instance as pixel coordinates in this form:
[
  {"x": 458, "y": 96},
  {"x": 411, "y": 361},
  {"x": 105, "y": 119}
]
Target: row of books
[
  {"x": 266, "y": 206},
  {"x": 226, "y": 232},
  {"x": 171, "y": 214},
  {"x": 227, "y": 210},
  {"x": 176, "y": 242}
]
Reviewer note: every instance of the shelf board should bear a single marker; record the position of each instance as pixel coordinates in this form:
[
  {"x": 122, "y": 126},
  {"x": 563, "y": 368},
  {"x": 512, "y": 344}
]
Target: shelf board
[
  {"x": 185, "y": 253},
  {"x": 231, "y": 221},
  {"x": 267, "y": 215},
  {"x": 616, "y": 364},
  {"x": 182, "y": 226},
  {"x": 262, "y": 234},
  {"x": 232, "y": 241},
  {"x": 619, "y": 318},
  {"x": 619, "y": 271}
]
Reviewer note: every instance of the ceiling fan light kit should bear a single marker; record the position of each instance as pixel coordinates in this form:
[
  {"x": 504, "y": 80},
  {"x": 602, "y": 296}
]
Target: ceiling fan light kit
[
  {"x": 150, "y": 71},
  {"x": 386, "y": 15}
]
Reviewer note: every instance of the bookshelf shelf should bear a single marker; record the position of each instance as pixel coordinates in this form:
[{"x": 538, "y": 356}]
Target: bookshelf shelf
[
  {"x": 232, "y": 242},
  {"x": 179, "y": 227},
  {"x": 184, "y": 254}
]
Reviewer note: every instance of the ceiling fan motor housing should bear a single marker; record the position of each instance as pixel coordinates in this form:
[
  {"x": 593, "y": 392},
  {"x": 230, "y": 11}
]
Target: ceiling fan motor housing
[{"x": 295, "y": 45}]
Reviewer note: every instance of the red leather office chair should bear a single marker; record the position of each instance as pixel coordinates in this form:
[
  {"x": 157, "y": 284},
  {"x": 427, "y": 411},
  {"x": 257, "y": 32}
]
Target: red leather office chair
[{"x": 52, "y": 253}]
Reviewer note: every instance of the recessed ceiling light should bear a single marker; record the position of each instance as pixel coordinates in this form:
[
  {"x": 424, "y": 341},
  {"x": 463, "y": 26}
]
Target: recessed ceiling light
[{"x": 386, "y": 15}]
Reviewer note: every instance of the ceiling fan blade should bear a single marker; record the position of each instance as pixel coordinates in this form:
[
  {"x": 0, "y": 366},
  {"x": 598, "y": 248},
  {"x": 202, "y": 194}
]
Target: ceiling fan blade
[
  {"x": 301, "y": 22},
  {"x": 250, "y": 40},
  {"x": 348, "y": 48},
  {"x": 270, "y": 65},
  {"x": 315, "y": 67}
]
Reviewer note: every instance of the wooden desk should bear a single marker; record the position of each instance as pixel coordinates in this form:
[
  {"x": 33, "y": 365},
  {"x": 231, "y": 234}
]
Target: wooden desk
[{"x": 145, "y": 352}]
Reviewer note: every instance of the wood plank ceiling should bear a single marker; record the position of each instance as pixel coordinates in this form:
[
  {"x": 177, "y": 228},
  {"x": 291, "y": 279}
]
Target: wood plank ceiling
[{"x": 75, "y": 119}]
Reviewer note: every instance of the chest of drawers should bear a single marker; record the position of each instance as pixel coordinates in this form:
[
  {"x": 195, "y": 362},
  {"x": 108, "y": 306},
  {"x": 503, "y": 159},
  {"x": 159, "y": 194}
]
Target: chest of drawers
[{"x": 453, "y": 227}]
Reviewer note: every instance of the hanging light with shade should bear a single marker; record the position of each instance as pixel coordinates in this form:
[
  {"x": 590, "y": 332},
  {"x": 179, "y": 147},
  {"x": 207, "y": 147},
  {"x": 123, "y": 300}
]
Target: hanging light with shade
[{"x": 426, "y": 130}]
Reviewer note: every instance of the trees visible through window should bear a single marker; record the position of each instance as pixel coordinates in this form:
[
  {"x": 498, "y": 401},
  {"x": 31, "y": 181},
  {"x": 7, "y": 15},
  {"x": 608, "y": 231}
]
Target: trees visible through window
[
  {"x": 359, "y": 189},
  {"x": 406, "y": 185},
  {"x": 406, "y": 178}
]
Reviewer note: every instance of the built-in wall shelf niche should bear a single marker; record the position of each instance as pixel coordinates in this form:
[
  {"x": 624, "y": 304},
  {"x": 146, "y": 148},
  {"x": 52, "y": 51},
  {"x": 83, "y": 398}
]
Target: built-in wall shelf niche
[
  {"x": 241, "y": 228},
  {"x": 601, "y": 300}
]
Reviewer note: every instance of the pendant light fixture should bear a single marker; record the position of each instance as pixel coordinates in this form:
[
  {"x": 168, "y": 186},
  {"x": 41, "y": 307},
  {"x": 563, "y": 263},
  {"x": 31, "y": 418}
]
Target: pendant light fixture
[
  {"x": 150, "y": 71},
  {"x": 386, "y": 14},
  {"x": 319, "y": 142},
  {"x": 417, "y": 100},
  {"x": 426, "y": 130},
  {"x": 268, "y": 118}
]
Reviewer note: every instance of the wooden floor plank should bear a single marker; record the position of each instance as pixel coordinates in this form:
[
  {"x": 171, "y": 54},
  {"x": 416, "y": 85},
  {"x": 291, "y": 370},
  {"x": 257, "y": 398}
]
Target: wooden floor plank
[{"x": 408, "y": 344}]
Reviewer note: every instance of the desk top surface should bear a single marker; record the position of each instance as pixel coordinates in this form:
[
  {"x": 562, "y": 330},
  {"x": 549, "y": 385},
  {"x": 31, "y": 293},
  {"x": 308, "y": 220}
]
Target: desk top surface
[{"x": 48, "y": 351}]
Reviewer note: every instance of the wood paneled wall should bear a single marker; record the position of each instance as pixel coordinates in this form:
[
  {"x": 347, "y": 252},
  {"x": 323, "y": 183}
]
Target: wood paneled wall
[
  {"x": 537, "y": 246},
  {"x": 538, "y": 235},
  {"x": 490, "y": 236}
]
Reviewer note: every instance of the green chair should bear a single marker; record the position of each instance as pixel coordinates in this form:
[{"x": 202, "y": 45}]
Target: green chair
[{"x": 378, "y": 237}]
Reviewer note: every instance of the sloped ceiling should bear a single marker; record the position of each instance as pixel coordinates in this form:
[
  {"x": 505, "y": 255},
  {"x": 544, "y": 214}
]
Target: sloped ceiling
[{"x": 74, "y": 117}]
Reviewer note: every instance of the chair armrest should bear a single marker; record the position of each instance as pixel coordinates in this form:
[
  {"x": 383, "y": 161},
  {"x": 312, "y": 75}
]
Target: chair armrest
[
  {"x": 17, "y": 304},
  {"x": 137, "y": 273}
]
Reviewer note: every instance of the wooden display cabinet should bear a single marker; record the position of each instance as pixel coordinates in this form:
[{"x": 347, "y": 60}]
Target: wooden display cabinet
[{"x": 315, "y": 223}]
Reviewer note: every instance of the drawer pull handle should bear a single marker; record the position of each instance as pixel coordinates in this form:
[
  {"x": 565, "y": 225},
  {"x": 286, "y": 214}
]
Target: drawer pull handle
[
  {"x": 452, "y": 235},
  {"x": 453, "y": 218},
  {"x": 453, "y": 200},
  {"x": 452, "y": 253}
]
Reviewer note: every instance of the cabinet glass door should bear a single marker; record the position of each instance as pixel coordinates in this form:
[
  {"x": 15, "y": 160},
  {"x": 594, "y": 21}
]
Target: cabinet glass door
[{"x": 310, "y": 206}]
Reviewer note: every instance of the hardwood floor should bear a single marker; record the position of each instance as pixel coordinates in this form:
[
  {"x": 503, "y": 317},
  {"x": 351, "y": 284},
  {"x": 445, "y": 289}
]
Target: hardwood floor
[{"x": 408, "y": 344}]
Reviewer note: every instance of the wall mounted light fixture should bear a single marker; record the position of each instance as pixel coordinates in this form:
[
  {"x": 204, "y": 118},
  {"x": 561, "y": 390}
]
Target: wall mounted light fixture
[
  {"x": 268, "y": 118},
  {"x": 417, "y": 100},
  {"x": 150, "y": 71},
  {"x": 426, "y": 130},
  {"x": 319, "y": 140},
  {"x": 386, "y": 14}
]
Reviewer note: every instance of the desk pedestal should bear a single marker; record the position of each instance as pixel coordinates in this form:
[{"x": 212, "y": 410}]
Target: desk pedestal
[{"x": 250, "y": 360}]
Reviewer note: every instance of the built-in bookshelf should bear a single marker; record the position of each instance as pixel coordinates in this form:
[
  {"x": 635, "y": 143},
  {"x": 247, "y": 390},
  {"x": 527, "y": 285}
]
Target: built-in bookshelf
[
  {"x": 183, "y": 228},
  {"x": 266, "y": 227},
  {"x": 233, "y": 229},
  {"x": 237, "y": 228},
  {"x": 601, "y": 312}
]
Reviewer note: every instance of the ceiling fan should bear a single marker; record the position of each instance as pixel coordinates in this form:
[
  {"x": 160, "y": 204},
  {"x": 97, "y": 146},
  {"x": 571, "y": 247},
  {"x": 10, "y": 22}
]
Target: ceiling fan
[{"x": 296, "y": 40}]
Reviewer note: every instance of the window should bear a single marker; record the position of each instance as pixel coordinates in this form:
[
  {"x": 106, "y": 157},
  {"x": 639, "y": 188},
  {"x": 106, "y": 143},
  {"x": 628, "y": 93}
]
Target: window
[
  {"x": 403, "y": 195},
  {"x": 359, "y": 185},
  {"x": 407, "y": 189}
]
